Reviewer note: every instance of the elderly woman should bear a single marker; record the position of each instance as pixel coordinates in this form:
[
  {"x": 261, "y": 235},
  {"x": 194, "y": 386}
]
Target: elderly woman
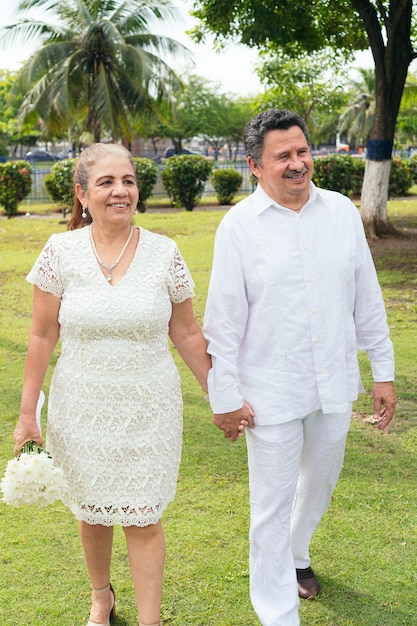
[{"x": 113, "y": 293}]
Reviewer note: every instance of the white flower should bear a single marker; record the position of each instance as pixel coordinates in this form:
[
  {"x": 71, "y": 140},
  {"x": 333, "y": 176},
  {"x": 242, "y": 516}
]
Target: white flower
[{"x": 32, "y": 478}]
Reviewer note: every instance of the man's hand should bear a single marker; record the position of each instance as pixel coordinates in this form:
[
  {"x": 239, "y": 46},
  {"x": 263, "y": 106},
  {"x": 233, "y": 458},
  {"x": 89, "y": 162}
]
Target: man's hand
[
  {"x": 384, "y": 403},
  {"x": 234, "y": 423}
]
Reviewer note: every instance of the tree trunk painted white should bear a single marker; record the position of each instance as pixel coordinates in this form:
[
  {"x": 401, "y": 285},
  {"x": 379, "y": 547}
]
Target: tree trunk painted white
[{"x": 374, "y": 198}]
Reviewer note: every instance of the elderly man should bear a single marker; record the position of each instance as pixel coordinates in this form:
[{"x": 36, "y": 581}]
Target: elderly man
[{"x": 293, "y": 296}]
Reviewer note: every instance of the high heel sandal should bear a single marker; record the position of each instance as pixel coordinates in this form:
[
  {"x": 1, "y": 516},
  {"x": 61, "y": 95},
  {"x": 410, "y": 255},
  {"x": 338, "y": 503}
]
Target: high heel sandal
[{"x": 112, "y": 615}]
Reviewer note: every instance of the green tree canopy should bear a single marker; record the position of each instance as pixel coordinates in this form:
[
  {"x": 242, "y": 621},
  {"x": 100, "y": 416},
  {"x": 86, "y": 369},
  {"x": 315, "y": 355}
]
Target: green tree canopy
[
  {"x": 201, "y": 109},
  {"x": 386, "y": 26},
  {"x": 99, "y": 62},
  {"x": 407, "y": 119},
  {"x": 313, "y": 85},
  {"x": 11, "y": 133},
  {"x": 182, "y": 120},
  {"x": 291, "y": 25},
  {"x": 358, "y": 117}
]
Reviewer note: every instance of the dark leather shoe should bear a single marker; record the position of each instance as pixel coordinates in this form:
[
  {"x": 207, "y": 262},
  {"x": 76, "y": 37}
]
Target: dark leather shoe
[{"x": 308, "y": 585}]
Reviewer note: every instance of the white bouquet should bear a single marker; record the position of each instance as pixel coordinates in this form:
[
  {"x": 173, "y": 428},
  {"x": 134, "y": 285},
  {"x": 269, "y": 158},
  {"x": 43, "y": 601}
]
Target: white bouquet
[{"x": 32, "y": 478}]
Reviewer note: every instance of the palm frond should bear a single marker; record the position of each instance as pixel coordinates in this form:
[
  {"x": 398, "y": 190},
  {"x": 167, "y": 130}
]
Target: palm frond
[{"x": 99, "y": 59}]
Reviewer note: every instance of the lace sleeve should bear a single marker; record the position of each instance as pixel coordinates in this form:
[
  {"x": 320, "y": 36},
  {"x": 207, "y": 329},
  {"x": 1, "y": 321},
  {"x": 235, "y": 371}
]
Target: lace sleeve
[
  {"x": 182, "y": 285},
  {"x": 45, "y": 273}
]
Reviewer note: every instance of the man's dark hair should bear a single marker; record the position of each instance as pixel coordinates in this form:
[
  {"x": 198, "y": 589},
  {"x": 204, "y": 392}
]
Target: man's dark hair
[{"x": 273, "y": 119}]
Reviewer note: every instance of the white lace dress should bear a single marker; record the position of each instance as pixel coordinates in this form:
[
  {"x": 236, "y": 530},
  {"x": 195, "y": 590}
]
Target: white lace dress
[{"x": 115, "y": 406}]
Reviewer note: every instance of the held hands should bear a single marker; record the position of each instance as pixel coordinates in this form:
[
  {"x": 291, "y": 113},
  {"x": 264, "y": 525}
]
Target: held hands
[
  {"x": 384, "y": 403},
  {"x": 26, "y": 430},
  {"x": 233, "y": 424}
]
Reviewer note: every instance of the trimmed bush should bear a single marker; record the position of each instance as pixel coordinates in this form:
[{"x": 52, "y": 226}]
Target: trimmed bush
[
  {"x": 15, "y": 184},
  {"x": 335, "y": 172},
  {"x": 146, "y": 172},
  {"x": 345, "y": 174},
  {"x": 226, "y": 183},
  {"x": 51, "y": 187},
  {"x": 60, "y": 183},
  {"x": 412, "y": 165},
  {"x": 359, "y": 165},
  {"x": 184, "y": 178},
  {"x": 400, "y": 179}
]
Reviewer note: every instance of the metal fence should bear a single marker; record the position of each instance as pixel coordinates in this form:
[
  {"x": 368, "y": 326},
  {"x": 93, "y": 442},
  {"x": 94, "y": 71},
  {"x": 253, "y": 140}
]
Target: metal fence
[{"x": 39, "y": 195}]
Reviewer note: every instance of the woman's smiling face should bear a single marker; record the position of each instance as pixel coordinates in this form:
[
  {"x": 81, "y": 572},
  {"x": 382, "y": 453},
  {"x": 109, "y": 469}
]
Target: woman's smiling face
[{"x": 112, "y": 194}]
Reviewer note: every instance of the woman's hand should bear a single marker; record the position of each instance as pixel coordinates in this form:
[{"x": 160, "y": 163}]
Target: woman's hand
[
  {"x": 247, "y": 422},
  {"x": 26, "y": 430}
]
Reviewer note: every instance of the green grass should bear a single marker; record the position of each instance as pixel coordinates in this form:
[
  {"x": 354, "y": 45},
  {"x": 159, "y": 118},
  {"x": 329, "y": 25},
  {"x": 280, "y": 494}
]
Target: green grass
[{"x": 364, "y": 549}]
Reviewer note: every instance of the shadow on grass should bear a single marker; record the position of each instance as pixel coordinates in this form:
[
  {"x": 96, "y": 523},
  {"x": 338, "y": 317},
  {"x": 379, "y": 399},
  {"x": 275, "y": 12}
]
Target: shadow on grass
[{"x": 350, "y": 607}]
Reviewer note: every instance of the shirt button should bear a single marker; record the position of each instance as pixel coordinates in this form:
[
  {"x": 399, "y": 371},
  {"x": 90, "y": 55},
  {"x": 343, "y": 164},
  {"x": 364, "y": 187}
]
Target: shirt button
[
  {"x": 314, "y": 311},
  {"x": 320, "y": 371},
  {"x": 316, "y": 340}
]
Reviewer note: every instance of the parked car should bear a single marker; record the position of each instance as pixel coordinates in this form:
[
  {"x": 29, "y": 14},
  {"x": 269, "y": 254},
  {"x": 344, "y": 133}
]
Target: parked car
[
  {"x": 66, "y": 154},
  {"x": 39, "y": 155},
  {"x": 169, "y": 152}
]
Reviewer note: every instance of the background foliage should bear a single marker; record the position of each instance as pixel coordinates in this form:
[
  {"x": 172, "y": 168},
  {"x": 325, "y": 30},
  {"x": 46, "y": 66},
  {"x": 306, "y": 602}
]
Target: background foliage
[
  {"x": 184, "y": 178},
  {"x": 226, "y": 183},
  {"x": 60, "y": 183},
  {"x": 146, "y": 172},
  {"x": 15, "y": 184},
  {"x": 344, "y": 173}
]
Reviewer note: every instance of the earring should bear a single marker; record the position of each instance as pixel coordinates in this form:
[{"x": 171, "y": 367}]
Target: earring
[{"x": 84, "y": 213}]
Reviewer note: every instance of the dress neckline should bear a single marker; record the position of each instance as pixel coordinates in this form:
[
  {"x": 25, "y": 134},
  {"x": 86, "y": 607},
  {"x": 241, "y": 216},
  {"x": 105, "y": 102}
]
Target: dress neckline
[{"x": 97, "y": 265}]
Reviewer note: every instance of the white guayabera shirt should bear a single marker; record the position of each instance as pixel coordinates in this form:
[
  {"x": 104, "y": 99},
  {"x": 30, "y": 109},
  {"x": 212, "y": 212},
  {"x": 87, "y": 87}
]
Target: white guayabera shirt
[{"x": 292, "y": 298}]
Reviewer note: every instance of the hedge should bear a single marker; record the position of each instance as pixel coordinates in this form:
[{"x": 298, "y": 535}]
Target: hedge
[
  {"x": 345, "y": 173},
  {"x": 15, "y": 184},
  {"x": 184, "y": 179},
  {"x": 146, "y": 172},
  {"x": 226, "y": 183}
]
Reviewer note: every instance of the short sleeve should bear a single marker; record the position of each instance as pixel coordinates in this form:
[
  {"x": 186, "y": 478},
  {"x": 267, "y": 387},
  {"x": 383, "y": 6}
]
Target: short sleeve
[
  {"x": 45, "y": 273},
  {"x": 181, "y": 285}
]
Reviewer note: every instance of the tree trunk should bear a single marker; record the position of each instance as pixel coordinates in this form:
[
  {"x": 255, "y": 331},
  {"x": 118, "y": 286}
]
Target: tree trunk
[
  {"x": 392, "y": 53},
  {"x": 374, "y": 198}
]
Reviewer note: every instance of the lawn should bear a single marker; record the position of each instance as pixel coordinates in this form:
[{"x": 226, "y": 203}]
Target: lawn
[{"x": 364, "y": 549}]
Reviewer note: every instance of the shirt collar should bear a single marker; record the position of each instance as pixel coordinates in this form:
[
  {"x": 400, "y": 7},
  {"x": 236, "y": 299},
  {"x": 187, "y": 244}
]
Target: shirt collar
[{"x": 264, "y": 202}]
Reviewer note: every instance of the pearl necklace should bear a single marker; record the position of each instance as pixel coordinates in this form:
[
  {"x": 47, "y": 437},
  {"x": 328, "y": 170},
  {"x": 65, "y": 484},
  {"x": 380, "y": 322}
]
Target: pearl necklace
[{"x": 110, "y": 268}]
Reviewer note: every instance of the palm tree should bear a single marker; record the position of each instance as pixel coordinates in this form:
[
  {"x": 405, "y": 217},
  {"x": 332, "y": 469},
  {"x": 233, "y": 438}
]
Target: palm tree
[
  {"x": 407, "y": 117},
  {"x": 98, "y": 63},
  {"x": 358, "y": 118}
]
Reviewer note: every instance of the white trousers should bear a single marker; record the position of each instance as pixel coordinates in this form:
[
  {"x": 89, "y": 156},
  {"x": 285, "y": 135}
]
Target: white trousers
[{"x": 293, "y": 470}]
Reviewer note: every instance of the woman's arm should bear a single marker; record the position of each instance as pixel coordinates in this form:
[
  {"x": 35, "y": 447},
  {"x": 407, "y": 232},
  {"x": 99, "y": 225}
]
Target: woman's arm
[
  {"x": 43, "y": 337},
  {"x": 188, "y": 339}
]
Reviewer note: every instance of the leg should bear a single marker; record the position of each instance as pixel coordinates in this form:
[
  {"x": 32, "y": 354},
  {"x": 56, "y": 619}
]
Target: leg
[
  {"x": 97, "y": 542},
  {"x": 146, "y": 549},
  {"x": 320, "y": 466},
  {"x": 273, "y": 455}
]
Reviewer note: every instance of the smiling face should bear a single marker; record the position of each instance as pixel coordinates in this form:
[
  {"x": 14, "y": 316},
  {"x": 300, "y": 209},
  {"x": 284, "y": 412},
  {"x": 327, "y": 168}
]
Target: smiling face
[
  {"x": 112, "y": 194},
  {"x": 286, "y": 168}
]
